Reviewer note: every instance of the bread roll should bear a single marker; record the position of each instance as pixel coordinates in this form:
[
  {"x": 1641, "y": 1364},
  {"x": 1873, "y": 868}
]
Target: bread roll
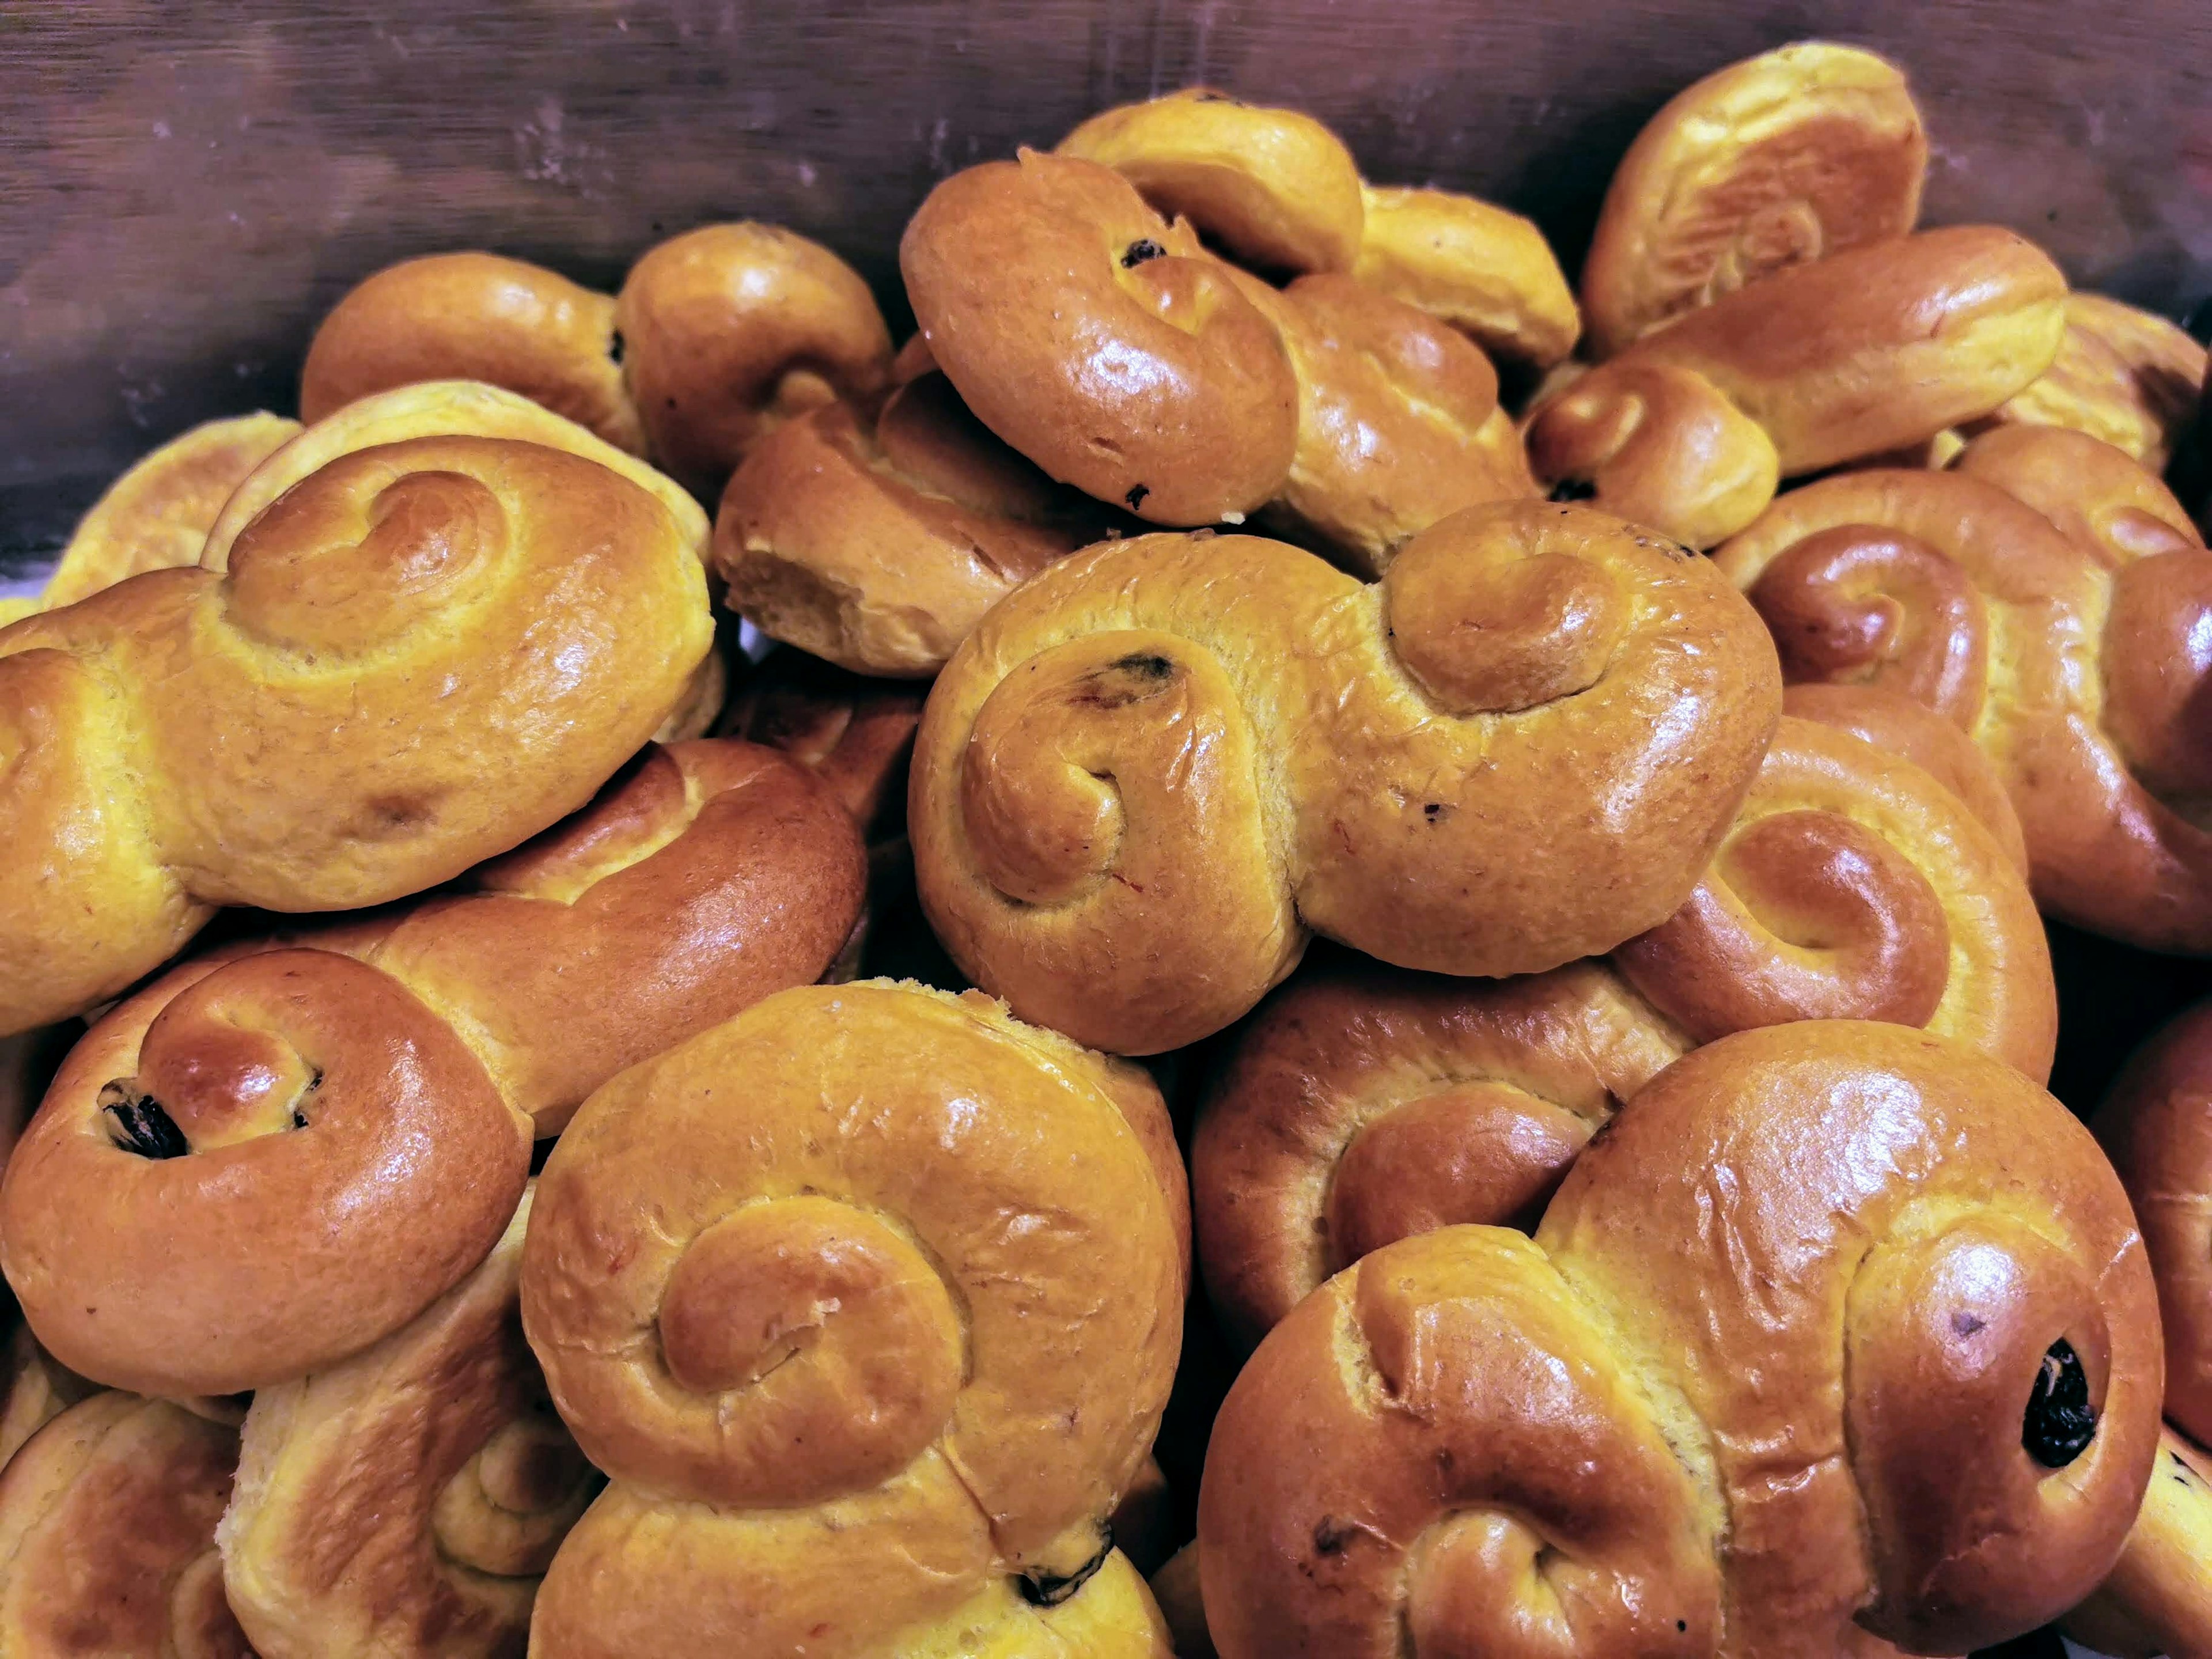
[
  {"x": 406, "y": 1500},
  {"x": 1487, "y": 272},
  {"x": 2040, "y": 596},
  {"x": 717, "y": 337},
  {"x": 1795, "y": 155},
  {"x": 268, "y": 1160},
  {"x": 880, "y": 549},
  {"x": 2126, "y": 376},
  {"x": 1100, "y": 340},
  {"x": 1153, "y": 769},
  {"x": 1362, "y": 1104},
  {"x": 107, "y": 1520},
  {"x": 307, "y": 725},
  {"x": 907, "y": 1319},
  {"x": 1840, "y": 1323},
  {"x": 38, "y": 1390},
  {"x": 1276, "y": 188}
]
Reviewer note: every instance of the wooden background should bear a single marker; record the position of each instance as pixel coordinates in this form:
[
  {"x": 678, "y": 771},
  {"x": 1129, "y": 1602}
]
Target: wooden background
[{"x": 185, "y": 186}]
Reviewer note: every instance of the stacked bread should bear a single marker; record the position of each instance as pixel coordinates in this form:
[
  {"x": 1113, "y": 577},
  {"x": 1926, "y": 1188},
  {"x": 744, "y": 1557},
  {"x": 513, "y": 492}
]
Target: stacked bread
[{"x": 1259, "y": 622}]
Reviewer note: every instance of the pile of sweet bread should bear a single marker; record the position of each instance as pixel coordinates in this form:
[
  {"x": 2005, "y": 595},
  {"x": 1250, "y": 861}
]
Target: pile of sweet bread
[{"x": 1278, "y": 795}]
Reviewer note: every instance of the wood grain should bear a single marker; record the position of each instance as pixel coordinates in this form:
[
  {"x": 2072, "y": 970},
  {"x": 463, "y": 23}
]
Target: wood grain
[{"x": 185, "y": 187}]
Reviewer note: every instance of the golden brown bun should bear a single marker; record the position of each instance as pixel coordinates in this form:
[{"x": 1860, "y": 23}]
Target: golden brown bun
[
  {"x": 1362, "y": 1104},
  {"x": 2157, "y": 1599},
  {"x": 1657, "y": 445},
  {"x": 2126, "y": 376},
  {"x": 1483, "y": 270},
  {"x": 1100, "y": 340},
  {"x": 908, "y": 1320},
  {"x": 2062, "y": 656},
  {"x": 1276, "y": 188},
  {"x": 107, "y": 1523},
  {"x": 418, "y": 1047},
  {"x": 1796, "y": 155},
  {"x": 1874, "y": 348},
  {"x": 1913, "y": 730},
  {"x": 880, "y": 550},
  {"x": 40, "y": 1389},
  {"x": 387, "y": 571},
  {"x": 730, "y": 330},
  {"x": 1855, "y": 885},
  {"x": 1805, "y": 1298},
  {"x": 157, "y": 515},
  {"x": 1398, "y": 420},
  {"x": 2156, "y": 1123},
  {"x": 1465, "y": 768},
  {"x": 853, "y": 733},
  {"x": 408, "y": 1499},
  {"x": 475, "y": 317}
]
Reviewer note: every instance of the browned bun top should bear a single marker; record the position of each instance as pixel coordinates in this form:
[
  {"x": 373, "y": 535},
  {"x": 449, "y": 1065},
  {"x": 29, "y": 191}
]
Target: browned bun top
[
  {"x": 1398, "y": 419},
  {"x": 2127, "y": 376},
  {"x": 907, "y": 1318},
  {"x": 1487, "y": 271},
  {"x": 1658, "y": 446},
  {"x": 407, "y": 1499},
  {"x": 389, "y": 569},
  {"x": 1838, "y": 1322},
  {"x": 251, "y": 1169},
  {"x": 730, "y": 330},
  {"x": 1274, "y": 187},
  {"x": 854, "y": 733},
  {"x": 1362, "y": 1104},
  {"x": 157, "y": 515},
  {"x": 2041, "y": 596},
  {"x": 107, "y": 1522},
  {"x": 2156, "y": 1122},
  {"x": 1853, "y": 885},
  {"x": 1100, "y": 340},
  {"x": 1878, "y": 347},
  {"x": 1796, "y": 155},
  {"x": 1895, "y": 723},
  {"x": 475, "y": 317},
  {"x": 879, "y": 550},
  {"x": 1519, "y": 749}
]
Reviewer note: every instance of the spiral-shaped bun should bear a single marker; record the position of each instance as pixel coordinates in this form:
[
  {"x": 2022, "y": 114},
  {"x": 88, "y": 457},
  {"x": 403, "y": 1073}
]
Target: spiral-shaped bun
[
  {"x": 2042, "y": 597},
  {"x": 1153, "y": 767},
  {"x": 331, "y": 1138},
  {"x": 1659, "y": 446},
  {"x": 1839, "y": 1322},
  {"x": 1399, "y": 424},
  {"x": 407, "y": 1499},
  {"x": 1853, "y": 885},
  {"x": 2127, "y": 377},
  {"x": 879, "y": 550},
  {"x": 157, "y": 515},
  {"x": 1100, "y": 340},
  {"x": 1275, "y": 187},
  {"x": 730, "y": 330},
  {"x": 1487, "y": 272},
  {"x": 717, "y": 337},
  {"x": 475, "y": 317},
  {"x": 906, "y": 1314},
  {"x": 312, "y": 728},
  {"x": 853, "y": 733},
  {"x": 1796, "y": 155},
  {"x": 107, "y": 1520},
  {"x": 1362, "y": 1105}
]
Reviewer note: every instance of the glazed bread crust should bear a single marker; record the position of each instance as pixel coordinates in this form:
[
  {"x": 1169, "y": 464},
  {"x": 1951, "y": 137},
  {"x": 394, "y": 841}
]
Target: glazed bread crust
[
  {"x": 1784, "y": 1357},
  {"x": 1156, "y": 766}
]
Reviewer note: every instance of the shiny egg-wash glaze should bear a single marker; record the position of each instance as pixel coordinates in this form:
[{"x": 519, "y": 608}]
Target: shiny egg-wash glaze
[
  {"x": 1840, "y": 1324},
  {"x": 1156, "y": 766}
]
